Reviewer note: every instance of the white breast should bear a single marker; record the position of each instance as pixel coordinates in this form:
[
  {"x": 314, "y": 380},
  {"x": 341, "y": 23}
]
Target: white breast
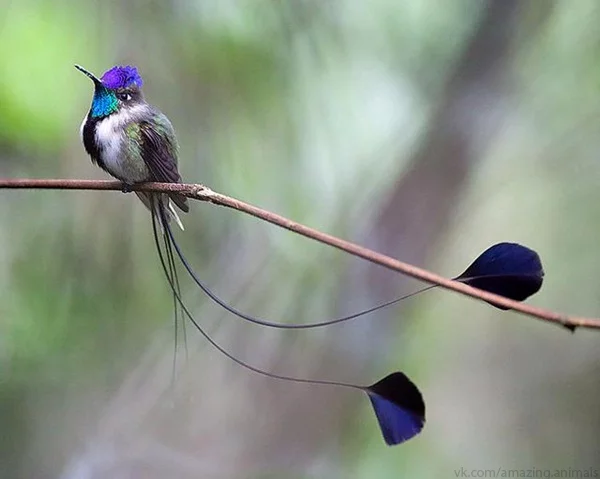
[
  {"x": 81, "y": 128},
  {"x": 110, "y": 137}
]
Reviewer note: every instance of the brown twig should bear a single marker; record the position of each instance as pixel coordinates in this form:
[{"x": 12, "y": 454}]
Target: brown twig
[{"x": 202, "y": 193}]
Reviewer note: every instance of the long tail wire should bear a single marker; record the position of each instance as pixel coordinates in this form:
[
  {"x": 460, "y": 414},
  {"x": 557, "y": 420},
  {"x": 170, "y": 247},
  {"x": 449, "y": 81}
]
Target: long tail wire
[
  {"x": 270, "y": 324},
  {"x": 262, "y": 322},
  {"x": 167, "y": 232}
]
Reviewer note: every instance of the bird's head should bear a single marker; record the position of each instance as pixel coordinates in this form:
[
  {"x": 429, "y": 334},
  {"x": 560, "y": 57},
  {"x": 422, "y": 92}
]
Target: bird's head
[{"x": 119, "y": 88}]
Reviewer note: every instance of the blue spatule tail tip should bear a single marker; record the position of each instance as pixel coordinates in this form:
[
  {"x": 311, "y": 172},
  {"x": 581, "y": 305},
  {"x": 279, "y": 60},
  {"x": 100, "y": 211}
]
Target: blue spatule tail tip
[
  {"x": 399, "y": 408},
  {"x": 507, "y": 269}
]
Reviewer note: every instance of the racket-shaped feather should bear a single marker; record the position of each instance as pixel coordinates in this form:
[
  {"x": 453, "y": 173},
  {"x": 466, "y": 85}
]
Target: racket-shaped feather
[
  {"x": 399, "y": 408},
  {"x": 508, "y": 269}
]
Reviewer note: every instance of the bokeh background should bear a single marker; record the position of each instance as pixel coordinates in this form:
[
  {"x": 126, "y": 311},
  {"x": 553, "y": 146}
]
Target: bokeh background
[{"x": 425, "y": 129}]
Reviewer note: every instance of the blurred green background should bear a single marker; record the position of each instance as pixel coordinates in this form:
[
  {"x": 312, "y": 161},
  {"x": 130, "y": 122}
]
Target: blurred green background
[{"x": 426, "y": 129}]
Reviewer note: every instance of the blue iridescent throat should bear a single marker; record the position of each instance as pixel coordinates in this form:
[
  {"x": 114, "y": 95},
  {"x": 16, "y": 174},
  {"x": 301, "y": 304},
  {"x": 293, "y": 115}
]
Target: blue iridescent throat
[{"x": 104, "y": 103}]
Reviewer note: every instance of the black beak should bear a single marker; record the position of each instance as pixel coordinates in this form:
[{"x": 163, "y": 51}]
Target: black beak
[{"x": 97, "y": 83}]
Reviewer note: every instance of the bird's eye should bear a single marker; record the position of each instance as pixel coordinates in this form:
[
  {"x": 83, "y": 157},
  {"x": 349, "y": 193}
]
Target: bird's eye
[{"x": 124, "y": 96}]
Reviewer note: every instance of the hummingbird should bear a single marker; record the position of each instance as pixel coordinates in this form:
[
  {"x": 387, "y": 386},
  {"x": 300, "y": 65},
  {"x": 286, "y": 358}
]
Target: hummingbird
[
  {"x": 135, "y": 142},
  {"x": 130, "y": 139}
]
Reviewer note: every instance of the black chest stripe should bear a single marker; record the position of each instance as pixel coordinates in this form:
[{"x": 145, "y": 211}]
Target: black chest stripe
[{"x": 89, "y": 141}]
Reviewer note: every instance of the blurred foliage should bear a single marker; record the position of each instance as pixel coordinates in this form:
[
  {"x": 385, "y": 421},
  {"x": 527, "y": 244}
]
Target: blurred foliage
[
  {"x": 329, "y": 112},
  {"x": 30, "y": 83}
]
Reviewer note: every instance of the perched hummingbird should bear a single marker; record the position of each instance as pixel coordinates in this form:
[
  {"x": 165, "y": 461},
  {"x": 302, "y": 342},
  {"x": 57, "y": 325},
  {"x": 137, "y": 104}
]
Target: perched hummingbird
[
  {"x": 130, "y": 139},
  {"x": 135, "y": 142}
]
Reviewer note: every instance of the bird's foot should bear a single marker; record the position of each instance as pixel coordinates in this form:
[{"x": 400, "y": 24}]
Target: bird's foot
[{"x": 126, "y": 188}]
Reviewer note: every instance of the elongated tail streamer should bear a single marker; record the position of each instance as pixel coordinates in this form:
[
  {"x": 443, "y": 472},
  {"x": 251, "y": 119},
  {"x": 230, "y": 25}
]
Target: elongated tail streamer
[{"x": 396, "y": 401}]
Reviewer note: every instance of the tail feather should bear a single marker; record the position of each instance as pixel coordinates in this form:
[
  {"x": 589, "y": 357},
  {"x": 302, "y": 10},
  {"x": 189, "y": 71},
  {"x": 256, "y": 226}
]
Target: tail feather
[
  {"x": 181, "y": 201},
  {"x": 173, "y": 214},
  {"x": 160, "y": 199}
]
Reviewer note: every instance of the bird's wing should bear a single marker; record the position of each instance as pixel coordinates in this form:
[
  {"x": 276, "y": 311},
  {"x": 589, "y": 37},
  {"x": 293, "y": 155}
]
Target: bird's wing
[{"x": 159, "y": 152}]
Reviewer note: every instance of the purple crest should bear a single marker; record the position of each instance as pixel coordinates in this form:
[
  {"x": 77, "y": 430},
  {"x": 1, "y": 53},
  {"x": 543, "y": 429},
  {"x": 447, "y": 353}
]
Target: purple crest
[{"x": 122, "y": 77}]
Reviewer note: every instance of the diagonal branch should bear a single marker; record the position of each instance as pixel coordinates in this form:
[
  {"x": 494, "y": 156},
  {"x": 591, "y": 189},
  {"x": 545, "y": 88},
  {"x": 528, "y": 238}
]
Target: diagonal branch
[{"x": 202, "y": 193}]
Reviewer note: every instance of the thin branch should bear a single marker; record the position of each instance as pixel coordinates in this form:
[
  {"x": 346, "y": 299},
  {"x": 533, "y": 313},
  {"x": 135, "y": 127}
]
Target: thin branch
[{"x": 202, "y": 193}]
